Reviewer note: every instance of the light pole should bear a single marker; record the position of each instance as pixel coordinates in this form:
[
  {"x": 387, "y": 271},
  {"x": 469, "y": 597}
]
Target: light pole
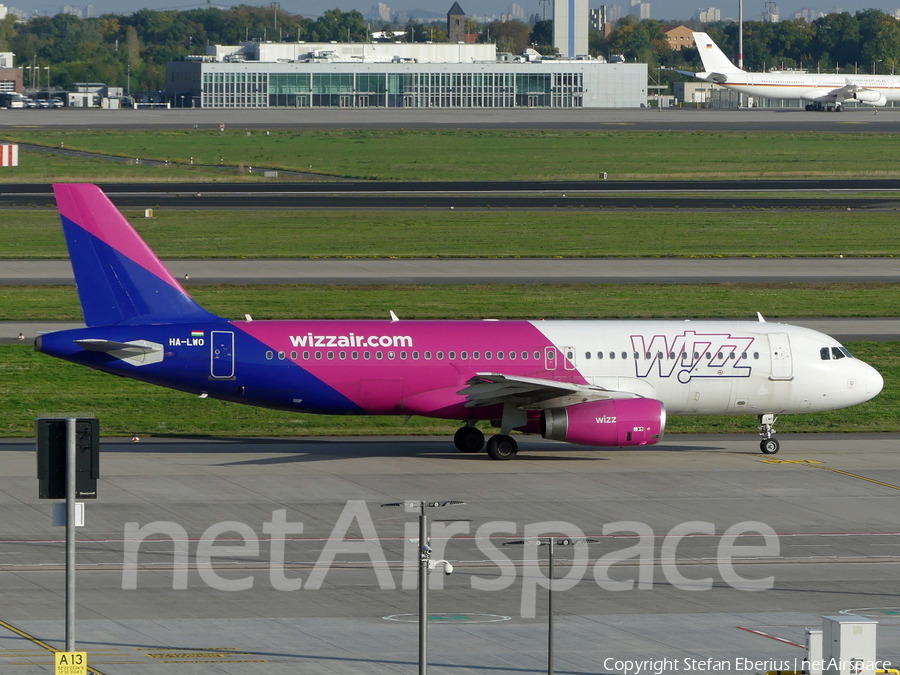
[
  {"x": 426, "y": 565},
  {"x": 551, "y": 542}
]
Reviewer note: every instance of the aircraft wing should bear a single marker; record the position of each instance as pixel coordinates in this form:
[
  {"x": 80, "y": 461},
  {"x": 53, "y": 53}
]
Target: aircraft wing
[
  {"x": 827, "y": 95},
  {"x": 532, "y": 393}
]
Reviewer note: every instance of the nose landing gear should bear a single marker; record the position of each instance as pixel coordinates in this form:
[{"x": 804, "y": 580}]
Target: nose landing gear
[{"x": 768, "y": 445}]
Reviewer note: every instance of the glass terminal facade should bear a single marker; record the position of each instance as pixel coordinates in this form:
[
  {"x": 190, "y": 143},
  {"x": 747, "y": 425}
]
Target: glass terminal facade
[{"x": 548, "y": 84}]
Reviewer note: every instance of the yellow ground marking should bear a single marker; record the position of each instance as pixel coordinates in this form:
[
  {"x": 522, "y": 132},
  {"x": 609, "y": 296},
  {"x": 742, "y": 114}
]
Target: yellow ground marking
[
  {"x": 39, "y": 642},
  {"x": 815, "y": 464}
]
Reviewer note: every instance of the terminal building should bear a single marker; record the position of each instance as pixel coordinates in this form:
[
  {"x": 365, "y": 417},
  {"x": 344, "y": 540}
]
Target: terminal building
[{"x": 397, "y": 75}]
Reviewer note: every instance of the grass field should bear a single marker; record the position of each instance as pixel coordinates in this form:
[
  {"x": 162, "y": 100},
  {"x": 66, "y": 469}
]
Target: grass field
[
  {"x": 500, "y": 301},
  {"x": 492, "y": 154},
  {"x": 26, "y": 233},
  {"x": 30, "y": 388}
]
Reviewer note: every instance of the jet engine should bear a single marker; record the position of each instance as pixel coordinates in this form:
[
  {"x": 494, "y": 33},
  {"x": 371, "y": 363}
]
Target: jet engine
[
  {"x": 870, "y": 97},
  {"x": 610, "y": 422}
]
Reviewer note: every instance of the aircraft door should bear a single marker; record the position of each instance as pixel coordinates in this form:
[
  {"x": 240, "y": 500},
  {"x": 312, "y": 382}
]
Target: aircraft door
[
  {"x": 221, "y": 354},
  {"x": 550, "y": 358},
  {"x": 780, "y": 353}
]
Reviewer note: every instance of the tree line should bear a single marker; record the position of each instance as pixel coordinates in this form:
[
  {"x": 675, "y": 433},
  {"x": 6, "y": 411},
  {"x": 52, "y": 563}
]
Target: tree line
[{"x": 116, "y": 49}]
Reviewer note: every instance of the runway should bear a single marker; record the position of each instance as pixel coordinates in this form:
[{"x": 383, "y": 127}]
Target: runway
[
  {"x": 787, "y": 195},
  {"x": 499, "y": 270},
  {"x": 609, "y": 119},
  {"x": 827, "y": 502}
]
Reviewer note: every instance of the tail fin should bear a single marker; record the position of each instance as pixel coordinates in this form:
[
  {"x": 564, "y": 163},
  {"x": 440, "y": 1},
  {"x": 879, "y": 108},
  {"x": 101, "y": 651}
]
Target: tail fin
[
  {"x": 714, "y": 59},
  {"x": 119, "y": 278}
]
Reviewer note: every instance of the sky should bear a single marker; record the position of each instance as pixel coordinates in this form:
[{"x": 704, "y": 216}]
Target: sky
[{"x": 660, "y": 9}]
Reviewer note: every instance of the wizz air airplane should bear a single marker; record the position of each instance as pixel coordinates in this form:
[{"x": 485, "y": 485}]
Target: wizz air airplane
[
  {"x": 822, "y": 91},
  {"x": 596, "y": 383}
]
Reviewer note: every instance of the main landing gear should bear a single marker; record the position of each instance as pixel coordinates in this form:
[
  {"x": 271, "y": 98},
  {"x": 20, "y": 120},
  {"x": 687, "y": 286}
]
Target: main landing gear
[
  {"x": 470, "y": 439},
  {"x": 768, "y": 445},
  {"x": 819, "y": 107}
]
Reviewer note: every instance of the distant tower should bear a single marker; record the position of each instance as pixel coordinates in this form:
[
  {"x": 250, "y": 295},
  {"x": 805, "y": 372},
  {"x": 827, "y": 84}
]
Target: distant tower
[
  {"x": 456, "y": 23},
  {"x": 570, "y": 27}
]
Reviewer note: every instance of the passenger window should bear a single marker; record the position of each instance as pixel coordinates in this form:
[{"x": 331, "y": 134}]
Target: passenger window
[
  {"x": 646, "y": 355},
  {"x": 428, "y": 356},
  {"x": 487, "y": 356},
  {"x": 355, "y": 356},
  {"x": 671, "y": 355},
  {"x": 403, "y": 355},
  {"x": 415, "y": 356},
  {"x": 599, "y": 355},
  {"x": 440, "y": 356},
  {"x": 451, "y": 355},
  {"x": 379, "y": 355},
  {"x": 464, "y": 355},
  {"x": 587, "y": 355},
  {"x": 281, "y": 356},
  {"x": 330, "y": 355},
  {"x": 391, "y": 355},
  {"x": 696, "y": 355},
  {"x": 476, "y": 355},
  {"x": 512, "y": 356},
  {"x": 744, "y": 355},
  {"x": 343, "y": 355},
  {"x": 318, "y": 356},
  {"x": 731, "y": 355},
  {"x": 293, "y": 356},
  {"x": 367, "y": 355},
  {"x": 636, "y": 356},
  {"x": 756, "y": 355},
  {"x": 499, "y": 356},
  {"x": 270, "y": 355},
  {"x": 612, "y": 355},
  {"x": 306, "y": 356}
]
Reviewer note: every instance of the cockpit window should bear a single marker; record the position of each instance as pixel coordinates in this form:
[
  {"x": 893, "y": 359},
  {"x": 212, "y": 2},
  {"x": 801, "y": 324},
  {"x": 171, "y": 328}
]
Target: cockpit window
[
  {"x": 837, "y": 353},
  {"x": 825, "y": 353}
]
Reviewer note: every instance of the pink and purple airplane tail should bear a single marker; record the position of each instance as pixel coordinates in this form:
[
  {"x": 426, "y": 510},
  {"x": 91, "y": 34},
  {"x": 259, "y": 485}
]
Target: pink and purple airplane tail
[{"x": 119, "y": 278}]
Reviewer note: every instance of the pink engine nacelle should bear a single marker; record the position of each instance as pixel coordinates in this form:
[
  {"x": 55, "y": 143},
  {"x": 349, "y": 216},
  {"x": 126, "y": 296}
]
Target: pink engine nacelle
[{"x": 612, "y": 422}]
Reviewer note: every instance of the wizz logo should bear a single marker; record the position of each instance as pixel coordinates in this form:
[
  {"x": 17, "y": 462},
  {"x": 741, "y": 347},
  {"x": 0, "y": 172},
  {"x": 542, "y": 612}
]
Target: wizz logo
[{"x": 692, "y": 355}]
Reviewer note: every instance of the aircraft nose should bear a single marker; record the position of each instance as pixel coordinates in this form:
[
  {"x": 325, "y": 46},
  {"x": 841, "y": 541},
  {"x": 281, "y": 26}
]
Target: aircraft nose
[{"x": 874, "y": 383}]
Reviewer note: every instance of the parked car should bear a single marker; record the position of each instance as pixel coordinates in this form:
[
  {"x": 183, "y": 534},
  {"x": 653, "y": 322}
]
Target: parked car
[
  {"x": 43, "y": 103},
  {"x": 30, "y": 103},
  {"x": 56, "y": 103}
]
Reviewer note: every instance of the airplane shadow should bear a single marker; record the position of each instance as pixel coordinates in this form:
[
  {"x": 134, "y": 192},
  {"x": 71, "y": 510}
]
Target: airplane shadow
[{"x": 295, "y": 450}]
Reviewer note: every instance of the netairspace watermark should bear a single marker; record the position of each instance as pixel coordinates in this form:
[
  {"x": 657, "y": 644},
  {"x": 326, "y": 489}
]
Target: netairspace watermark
[
  {"x": 356, "y": 518},
  {"x": 736, "y": 665}
]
